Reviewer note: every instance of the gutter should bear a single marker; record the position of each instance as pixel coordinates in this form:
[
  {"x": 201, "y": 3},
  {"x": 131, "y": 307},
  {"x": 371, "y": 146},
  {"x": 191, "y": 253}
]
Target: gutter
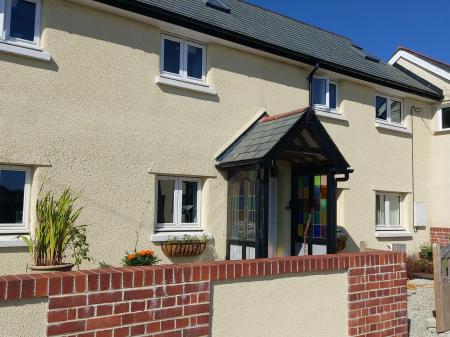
[{"x": 155, "y": 12}]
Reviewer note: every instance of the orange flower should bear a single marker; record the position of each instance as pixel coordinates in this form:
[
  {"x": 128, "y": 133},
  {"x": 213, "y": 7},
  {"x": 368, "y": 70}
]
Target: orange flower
[
  {"x": 131, "y": 256},
  {"x": 146, "y": 252}
]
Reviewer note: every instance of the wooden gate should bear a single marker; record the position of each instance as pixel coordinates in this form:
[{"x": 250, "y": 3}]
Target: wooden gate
[{"x": 441, "y": 257}]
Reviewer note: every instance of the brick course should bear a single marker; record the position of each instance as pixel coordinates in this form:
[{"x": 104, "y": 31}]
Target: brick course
[
  {"x": 174, "y": 300},
  {"x": 440, "y": 235}
]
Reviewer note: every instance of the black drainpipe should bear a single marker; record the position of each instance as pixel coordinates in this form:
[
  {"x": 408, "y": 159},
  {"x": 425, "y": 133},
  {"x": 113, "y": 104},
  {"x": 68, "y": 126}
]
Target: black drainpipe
[{"x": 310, "y": 79}]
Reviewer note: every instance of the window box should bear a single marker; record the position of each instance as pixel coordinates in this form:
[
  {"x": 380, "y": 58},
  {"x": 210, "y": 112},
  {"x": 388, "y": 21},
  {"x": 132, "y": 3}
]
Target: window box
[
  {"x": 14, "y": 199},
  {"x": 178, "y": 204}
]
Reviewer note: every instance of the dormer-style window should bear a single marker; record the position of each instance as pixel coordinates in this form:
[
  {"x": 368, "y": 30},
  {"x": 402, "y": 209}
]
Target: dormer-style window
[
  {"x": 20, "y": 22},
  {"x": 182, "y": 59},
  {"x": 444, "y": 117},
  {"x": 325, "y": 93}
]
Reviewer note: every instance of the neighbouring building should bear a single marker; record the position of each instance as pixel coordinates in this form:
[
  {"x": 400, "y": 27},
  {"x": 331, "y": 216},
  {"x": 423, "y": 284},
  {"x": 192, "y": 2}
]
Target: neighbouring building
[
  {"x": 206, "y": 116},
  {"x": 437, "y": 73}
]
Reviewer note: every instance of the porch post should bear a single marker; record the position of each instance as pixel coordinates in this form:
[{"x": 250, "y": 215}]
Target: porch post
[
  {"x": 262, "y": 211},
  {"x": 332, "y": 215}
]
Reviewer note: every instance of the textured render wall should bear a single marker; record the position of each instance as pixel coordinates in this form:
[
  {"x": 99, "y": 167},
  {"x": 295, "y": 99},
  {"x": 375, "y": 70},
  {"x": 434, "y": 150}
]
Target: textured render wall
[
  {"x": 106, "y": 128},
  {"x": 96, "y": 116},
  {"x": 439, "y": 212},
  {"x": 181, "y": 301},
  {"x": 281, "y": 306}
]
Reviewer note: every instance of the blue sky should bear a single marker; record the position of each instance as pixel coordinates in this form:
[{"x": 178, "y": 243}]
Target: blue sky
[{"x": 378, "y": 26}]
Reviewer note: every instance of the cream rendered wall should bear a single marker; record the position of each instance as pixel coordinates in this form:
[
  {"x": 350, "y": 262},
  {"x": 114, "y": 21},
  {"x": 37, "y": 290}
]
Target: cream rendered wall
[
  {"x": 305, "y": 306},
  {"x": 439, "y": 212},
  {"x": 96, "y": 116}
]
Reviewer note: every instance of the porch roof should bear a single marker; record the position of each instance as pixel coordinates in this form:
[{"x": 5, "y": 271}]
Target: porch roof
[{"x": 270, "y": 135}]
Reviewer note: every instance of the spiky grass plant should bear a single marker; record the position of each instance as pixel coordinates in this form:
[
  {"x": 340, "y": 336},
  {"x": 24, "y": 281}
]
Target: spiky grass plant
[{"x": 56, "y": 231}]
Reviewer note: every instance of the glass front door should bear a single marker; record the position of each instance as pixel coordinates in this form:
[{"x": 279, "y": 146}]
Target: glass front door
[{"x": 309, "y": 214}]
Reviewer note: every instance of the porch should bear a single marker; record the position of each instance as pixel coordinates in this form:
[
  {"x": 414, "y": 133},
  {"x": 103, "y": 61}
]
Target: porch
[{"x": 282, "y": 174}]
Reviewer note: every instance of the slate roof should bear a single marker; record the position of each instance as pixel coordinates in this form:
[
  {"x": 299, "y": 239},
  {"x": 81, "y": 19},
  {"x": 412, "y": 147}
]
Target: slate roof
[
  {"x": 263, "y": 29},
  {"x": 258, "y": 140}
]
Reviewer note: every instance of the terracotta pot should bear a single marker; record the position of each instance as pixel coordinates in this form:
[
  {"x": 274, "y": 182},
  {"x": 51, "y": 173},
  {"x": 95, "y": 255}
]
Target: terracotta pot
[
  {"x": 61, "y": 267},
  {"x": 183, "y": 248}
]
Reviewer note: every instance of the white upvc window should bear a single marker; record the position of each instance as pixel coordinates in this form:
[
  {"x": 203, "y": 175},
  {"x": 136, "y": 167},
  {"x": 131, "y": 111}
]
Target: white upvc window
[
  {"x": 444, "y": 118},
  {"x": 388, "y": 109},
  {"x": 183, "y": 59},
  {"x": 389, "y": 211},
  {"x": 14, "y": 199},
  {"x": 178, "y": 203},
  {"x": 20, "y": 22},
  {"x": 325, "y": 93}
]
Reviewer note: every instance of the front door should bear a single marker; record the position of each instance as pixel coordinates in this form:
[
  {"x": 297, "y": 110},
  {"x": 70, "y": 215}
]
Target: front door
[{"x": 310, "y": 216}]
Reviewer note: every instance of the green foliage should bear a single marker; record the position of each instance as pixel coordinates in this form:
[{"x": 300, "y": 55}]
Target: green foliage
[
  {"x": 426, "y": 252},
  {"x": 204, "y": 238},
  {"x": 416, "y": 264},
  {"x": 140, "y": 258},
  {"x": 56, "y": 231}
]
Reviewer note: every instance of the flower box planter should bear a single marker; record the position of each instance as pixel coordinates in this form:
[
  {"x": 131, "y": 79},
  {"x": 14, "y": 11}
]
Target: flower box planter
[{"x": 172, "y": 249}]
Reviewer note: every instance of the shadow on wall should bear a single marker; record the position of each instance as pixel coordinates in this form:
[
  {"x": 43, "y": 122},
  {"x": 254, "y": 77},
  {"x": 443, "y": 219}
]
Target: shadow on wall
[{"x": 28, "y": 62}]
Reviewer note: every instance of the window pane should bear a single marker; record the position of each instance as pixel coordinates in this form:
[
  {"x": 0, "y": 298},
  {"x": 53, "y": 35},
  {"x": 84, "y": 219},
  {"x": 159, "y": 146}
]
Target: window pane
[
  {"x": 396, "y": 111},
  {"x": 394, "y": 210},
  {"x": 319, "y": 90},
  {"x": 381, "y": 108},
  {"x": 194, "y": 62},
  {"x": 380, "y": 213},
  {"x": 333, "y": 96},
  {"x": 23, "y": 16},
  {"x": 189, "y": 206},
  {"x": 446, "y": 118},
  {"x": 166, "y": 189},
  {"x": 172, "y": 56},
  {"x": 12, "y": 185}
]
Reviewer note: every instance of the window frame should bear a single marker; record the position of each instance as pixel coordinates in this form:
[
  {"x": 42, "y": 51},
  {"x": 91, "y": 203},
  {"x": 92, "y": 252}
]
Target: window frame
[
  {"x": 327, "y": 94},
  {"x": 5, "y": 25},
  {"x": 440, "y": 118},
  {"x": 388, "y": 119},
  {"x": 177, "y": 225},
  {"x": 16, "y": 228},
  {"x": 387, "y": 226},
  {"x": 182, "y": 75}
]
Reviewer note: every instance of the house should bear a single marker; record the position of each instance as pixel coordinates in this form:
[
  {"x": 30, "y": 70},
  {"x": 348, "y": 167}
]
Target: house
[
  {"x": 435, "y": 74},
  {"x": 218, "y": 117}
]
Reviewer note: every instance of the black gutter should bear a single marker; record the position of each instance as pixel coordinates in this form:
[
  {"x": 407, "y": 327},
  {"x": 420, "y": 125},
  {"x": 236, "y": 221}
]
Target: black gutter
[
  {"x": 190, "y": 23},
  {"x": 310, "y": 80}
]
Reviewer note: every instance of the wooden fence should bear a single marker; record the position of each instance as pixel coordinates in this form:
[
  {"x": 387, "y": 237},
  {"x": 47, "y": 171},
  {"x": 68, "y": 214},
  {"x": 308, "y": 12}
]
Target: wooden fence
[{"x": 441, "y": 257}]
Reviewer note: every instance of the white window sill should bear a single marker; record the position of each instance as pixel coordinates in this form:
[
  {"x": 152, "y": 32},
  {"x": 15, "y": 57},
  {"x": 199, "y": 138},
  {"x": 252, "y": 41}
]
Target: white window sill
[
  {"x": 441, "y": 131},
  {"x": 392, "y": 127},
  {"x": 393, "y": 234},
  {"x": 11, "y": 241},
  {"x": 203, "y": 88},
  {"x": 24, "y": 51},
  {"x": 165, "y": 236},
  {"x": 330, "y": 113}
]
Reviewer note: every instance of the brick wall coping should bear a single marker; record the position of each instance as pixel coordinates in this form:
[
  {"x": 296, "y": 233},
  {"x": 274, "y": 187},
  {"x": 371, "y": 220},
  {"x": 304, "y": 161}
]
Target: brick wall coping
[{"x": 25, "y": 286}]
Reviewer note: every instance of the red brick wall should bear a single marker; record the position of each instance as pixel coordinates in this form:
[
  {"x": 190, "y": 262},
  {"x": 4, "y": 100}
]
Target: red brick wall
[
  {"x": 440, "y": 235},
  {"x": 174, "y": 300}
]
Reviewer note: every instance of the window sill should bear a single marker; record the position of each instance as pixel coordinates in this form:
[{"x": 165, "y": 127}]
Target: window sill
[
  {"x": 330, "y": 113},
  {"x": 393, "y": 234},
  {"x": 392, "y": 127},
  {"x": 165, "y": 236},
  {"x": 205, "y": 89},
  {"x": 24, "y": 51},
  {"x": 11, "y": 241},
  {"x": 441, "y": 131}
]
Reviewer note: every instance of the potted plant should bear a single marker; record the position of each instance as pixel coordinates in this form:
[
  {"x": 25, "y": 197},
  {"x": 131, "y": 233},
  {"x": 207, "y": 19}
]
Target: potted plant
[
  {"x": 56, "y": 233},
  {"x": 186, "y": 246},
  {"x": 341, "y": 239},
  {"x": 140, "y": 258}
]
